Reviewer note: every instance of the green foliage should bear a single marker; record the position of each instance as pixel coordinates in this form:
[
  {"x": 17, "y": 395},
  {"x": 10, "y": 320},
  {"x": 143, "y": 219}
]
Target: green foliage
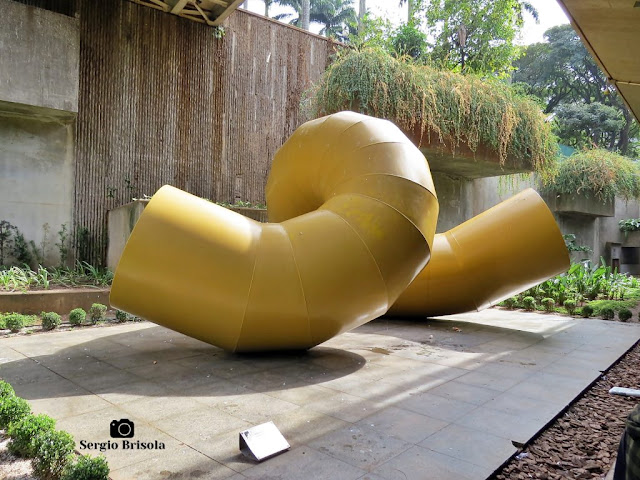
[
  {"x": 97, "y": 312},
  {"x": 26, "y": 434},
  {"x": 548, "y": 303},
  {"x": 62, "y": 244},
  {"x": 437, "y": 106},
  {"x": 560, "y": 71},
  {"x": 15, "y": 322},
  {"x": 624, "y": 314},
  {"x": 474, "y": 36},
  {"x": 529, "y": 303},
  {"x": 83, "y": 274},
  {"x": 570, "y": 242},
  {"x": 50, "y": 320},
  {"x": 583, "y": 280},
  {"x": 12, "y": 409},
  {"x": 581, "y": 125},
  {"x": 409, "y": 40},
  {"x": 77, "y": 316},
  {"x": 6, "y": 240},
  {"x": 54, "y": 453},
  {"x": 87, "y": 468},
  {"x": 6, "y": 390},
  {"x": 242, "y": 204},
  {"x": 607, "y": 313},
  {"x": 629, "y": 225},
  {"x": 337, "y": 17},
  {"x": 21, "y": 250},
  {"x": 586, "y": 311},
  {"x": 596, "y": 174},
  {"x": 570, "y": 306},
  {"x": 510, "y": 303},
  {"x": 121, "y": 316}
]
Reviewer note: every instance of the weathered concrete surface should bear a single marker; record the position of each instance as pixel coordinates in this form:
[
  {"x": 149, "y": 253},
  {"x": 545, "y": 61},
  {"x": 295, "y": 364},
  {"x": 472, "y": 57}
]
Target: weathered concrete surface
[
  {"x": 389, "y": 400},
  {"x": 39, "y": 55},
  {"x": 580, "y": 205},
  {"x": 37, "y": 179},
  {"x": 61, "y": 301}
]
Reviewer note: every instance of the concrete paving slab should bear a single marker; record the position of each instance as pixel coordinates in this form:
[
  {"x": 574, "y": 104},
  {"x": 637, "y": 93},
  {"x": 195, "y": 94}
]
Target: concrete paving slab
[{"x": 393, "y": 399}]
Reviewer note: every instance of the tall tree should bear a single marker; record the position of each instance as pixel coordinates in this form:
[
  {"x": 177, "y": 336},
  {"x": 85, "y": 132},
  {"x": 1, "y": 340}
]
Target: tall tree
[
  {"x": 476, "y": 36},
  {"x": 560, "y": 72},
  {"x": 412, "y": 8},
  {"x": 267, "y": 4},
  {"x": 306, "y": 14},
  {"x": 362, "y": 9},
  {"x": 338, "y": 17}
]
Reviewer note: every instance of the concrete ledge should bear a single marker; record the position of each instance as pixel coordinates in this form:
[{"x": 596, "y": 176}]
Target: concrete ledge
[
  {"x": 61, "y": 301},
  {"x": 580, "y": 205}
]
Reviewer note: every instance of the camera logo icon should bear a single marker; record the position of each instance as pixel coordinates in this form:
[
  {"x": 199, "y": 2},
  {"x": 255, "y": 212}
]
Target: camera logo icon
[{"x": 122, "y": 428}]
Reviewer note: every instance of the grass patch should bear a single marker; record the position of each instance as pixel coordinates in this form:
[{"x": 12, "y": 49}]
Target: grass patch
[{"x": 82, "y": 275}]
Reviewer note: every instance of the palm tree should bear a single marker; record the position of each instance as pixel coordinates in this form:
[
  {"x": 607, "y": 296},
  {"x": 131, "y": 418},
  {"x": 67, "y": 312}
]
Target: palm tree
[
  {"x": 337, "y": 16},
  {"x": 411, "y": 10},
  {"x": 301, "y": 17},
  {"x": 361, "y": 11},
  {"x": 267, "y": 4}
]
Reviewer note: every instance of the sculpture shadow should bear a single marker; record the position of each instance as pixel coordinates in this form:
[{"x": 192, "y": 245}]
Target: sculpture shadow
[{"x": 156, "y": 361}]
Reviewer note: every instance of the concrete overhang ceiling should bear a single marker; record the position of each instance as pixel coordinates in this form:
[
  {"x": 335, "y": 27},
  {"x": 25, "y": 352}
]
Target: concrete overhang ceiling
[
  {"x": 211, "y": 12},
  {"x": 610, "y": 29}
]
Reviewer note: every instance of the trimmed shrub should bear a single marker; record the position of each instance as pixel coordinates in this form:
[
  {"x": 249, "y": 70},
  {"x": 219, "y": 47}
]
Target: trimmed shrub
[
  {"x": 15, "y": 322},
  {"x": 13, "y": 409},
  {"x": 624, "y": 315},
  {"x": 549, "y": 304},
  {"x": 510, "y": 303},
  {"x": 54, "y": 453},
  {"x": 587, "y": 311},
  {"x": 50, "y": 320},
  {"x": 77, "y": 316},
  {"x": 121, "y": 316},
  {"x": 529, "y": 303},
  {"x": 6, "y": 390},
  {"x": 97, "y": 312},
  {"x": 570, "y": 305},
  {"x": 87, "y": 468},
  {"x": 607, "y": 313},
  {"x": 26, "y": 434}
]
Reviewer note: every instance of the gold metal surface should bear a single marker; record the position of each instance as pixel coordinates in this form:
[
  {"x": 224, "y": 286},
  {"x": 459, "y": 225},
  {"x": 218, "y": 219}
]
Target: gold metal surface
[
  {"x": 356, "y": 212},
  {"x": 499, "y": 253}
]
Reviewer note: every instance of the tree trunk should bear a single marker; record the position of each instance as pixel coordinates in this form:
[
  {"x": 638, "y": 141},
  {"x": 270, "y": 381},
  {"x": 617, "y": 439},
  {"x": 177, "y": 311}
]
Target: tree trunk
[
  {"x": 623, "y": 143},
  {"x": 306, "y": 12},
  {"x": 361, "y": 11},
  {"x": 266, "y": 7},
  {"x": 410, "y": 10}
]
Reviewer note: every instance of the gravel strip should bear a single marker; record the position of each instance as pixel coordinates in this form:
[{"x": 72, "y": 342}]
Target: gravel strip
[{"x": 582, "y": 443}]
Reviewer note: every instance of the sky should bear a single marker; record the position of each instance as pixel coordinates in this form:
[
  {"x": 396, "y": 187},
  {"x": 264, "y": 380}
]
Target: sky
[{"x": 549, "y": 12}]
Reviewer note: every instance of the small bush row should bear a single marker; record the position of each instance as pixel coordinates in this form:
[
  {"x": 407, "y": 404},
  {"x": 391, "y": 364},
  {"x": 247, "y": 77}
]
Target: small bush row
[
  {"x": 51, "y": 451},
  {"x": 51, "y": 320},
  {"x": 605, "y": 311}
]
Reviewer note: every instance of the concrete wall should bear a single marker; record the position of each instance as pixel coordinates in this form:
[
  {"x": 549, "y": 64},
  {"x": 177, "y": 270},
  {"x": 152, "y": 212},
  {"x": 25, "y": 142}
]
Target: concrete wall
[
  {"x": 39, "y": 55},
  {"x": 36, "y": 178}
]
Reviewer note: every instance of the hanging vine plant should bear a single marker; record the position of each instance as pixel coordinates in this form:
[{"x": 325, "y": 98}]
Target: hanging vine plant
[
  {"x": 596, "y": 173},
  {"x": 449, "y": 108}
]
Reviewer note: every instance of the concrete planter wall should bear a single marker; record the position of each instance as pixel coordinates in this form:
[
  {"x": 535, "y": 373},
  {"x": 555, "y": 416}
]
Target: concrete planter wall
[
  {"x": 59, "y": 301},
  {"x": 580, "y": 205},
  {"x": 121, "y": 221}
]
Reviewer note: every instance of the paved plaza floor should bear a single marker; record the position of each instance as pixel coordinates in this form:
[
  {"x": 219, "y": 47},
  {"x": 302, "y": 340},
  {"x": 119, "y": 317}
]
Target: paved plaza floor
[{"x": 394, "y": 399}]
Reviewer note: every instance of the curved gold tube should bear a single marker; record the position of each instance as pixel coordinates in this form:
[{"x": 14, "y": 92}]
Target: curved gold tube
[
  {"x": 357, "y": 212},
  {"x": 499, "y": 253}
]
